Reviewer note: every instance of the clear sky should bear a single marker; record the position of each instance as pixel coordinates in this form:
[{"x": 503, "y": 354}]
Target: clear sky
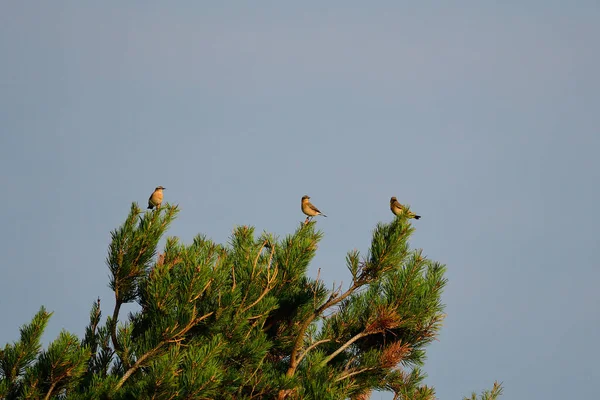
[{"x": 483, "y": 116}]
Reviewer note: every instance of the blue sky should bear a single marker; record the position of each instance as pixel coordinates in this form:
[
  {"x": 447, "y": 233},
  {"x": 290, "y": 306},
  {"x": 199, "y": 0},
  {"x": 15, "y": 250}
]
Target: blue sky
[{"x": 484, "y": 117}]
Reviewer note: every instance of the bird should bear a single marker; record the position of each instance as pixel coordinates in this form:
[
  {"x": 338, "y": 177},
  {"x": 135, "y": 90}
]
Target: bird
[
  {"x": 398, "y": 209},
  {"x": 156, "y": 198},
  {"x": 310, "y": 210}
]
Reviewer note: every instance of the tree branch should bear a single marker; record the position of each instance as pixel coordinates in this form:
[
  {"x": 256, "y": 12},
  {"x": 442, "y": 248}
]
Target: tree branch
[
  {"x": 50, "y": 390},
  {"x": 253, "y": 270},
  {"x": 137, "y": 364},
  {"x": 257, "y": 257},
  {"x": 115, "y": 317},
  {"x": 264, "y": 293},
  {"x": 345, "y": 346},
  {"x": 334, "y": 299},
  {"x": 270, "y": 280},
  {"x": 309, "y": 348},
  {"x": 176, "y": 338}
]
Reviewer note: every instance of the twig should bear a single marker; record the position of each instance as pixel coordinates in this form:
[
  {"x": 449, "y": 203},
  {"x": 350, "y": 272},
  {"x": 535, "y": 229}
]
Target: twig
[
  {"x": 348, "y": 375},
  {"x": 268, "y": 287},
  {"x": 257, "y": 257},
  {"x": 314, "y": 288},
  {"x": 196, "y": 297},
  {"x": 233, "y": 276},
  {"x": 264, "y": 293},
  {"x": 254, "y": 269}
]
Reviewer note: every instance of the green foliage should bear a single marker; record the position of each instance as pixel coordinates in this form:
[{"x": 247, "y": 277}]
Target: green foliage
[
  {"x": 492, "y": 394},
  {"x": 16, "y": 359},
  {"x": 241, "y": 321},
  {"x": 27, "y": 373}
]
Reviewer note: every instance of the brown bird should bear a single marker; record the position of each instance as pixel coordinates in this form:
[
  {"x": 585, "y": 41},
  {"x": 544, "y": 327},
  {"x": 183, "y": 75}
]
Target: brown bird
[
  {"x": 308, "y": 209},
  {"x": 398, "y": 209},
  {"x": 156, "y": 198}
]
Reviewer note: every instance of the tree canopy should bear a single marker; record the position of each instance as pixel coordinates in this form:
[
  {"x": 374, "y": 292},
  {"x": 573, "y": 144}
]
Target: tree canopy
[{"x": 242, "y": 320}]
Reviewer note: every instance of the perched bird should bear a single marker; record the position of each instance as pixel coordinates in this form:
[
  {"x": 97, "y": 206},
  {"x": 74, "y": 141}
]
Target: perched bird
[
  {"x": 309, "y": 209},
  {"x": 398, "y": 209},
  {"x": 156, "y": 198}
]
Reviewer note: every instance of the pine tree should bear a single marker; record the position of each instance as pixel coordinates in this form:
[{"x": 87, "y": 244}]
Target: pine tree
[{"x": 241, "y": 321}]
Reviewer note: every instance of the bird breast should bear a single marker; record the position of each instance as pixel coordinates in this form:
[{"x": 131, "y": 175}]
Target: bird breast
[
  {"x": 157, "y": 197},
  {"x": 308, "y": 210}
]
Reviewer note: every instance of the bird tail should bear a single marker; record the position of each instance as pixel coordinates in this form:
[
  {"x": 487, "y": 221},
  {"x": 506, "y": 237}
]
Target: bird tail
[
  {"x": 150, "y": 207},
  {"x": 323, "y": 215}
]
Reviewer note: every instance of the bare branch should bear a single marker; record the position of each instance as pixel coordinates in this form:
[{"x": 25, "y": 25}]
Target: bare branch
[
  {"x": 349, "y": 374},
  {"x": 309, "y": 348},
  {"x": 346, "y": 345}
]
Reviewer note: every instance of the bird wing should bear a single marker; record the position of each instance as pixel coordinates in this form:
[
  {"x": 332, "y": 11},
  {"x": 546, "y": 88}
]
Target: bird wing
[{"x": 313, "y": 208}]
